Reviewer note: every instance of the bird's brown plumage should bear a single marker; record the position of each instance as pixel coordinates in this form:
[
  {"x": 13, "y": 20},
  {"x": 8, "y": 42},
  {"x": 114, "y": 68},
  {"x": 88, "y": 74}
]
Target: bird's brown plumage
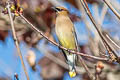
[{"x": 66, "y": 35}]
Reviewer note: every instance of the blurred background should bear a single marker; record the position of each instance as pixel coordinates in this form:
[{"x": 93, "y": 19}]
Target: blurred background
[{"x": 43, "y": 60}]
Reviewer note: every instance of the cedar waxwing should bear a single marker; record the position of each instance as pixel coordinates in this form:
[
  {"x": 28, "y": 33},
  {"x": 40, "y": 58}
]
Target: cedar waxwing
[{"x": 66, "y": 35}]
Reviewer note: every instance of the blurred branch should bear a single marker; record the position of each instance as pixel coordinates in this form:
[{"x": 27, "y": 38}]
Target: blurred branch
[
  {"x": 58, "y": 61},
  {"x": 74, "y": 52},
  {"x": 113, "y": 56},
  {"x": 56, "y": 2},
  {"x": 15, "y": 40},
  {"x": 86, "y": 67},
  {"x": 56, "y": 43},
  {"x": 109, "y": 38},
  {"x": 115, "y": 4},
  {"x": 33, "y": 27},
  {"x": 53, "y": 58},
  {"x": 112, "y": 9},
  {"x": 90, "y": 28},
  {"x": 84, "y": 17},
  {"x": 83, "y": 63},
  {"x": 100, "y": 18},
  {"x": 103, "y": 13}
]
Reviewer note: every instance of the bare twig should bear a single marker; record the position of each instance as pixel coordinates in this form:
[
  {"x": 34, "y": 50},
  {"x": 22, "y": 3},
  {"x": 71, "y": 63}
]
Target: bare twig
[
  {"x": 103, "y": 13},
  {"x": 33, "y": 27},
  {"x": 109, "y": 38},
  {"x": 16, "y": 41},
  {"x": 115, "y": 4},
  {"x": 83, "y": 63},
  {"x": 90, "y": 28},
  {"x": 81, "y": 60},
  {"x": 112, "y": 54},
  {"x": 56, "y": 2},
  {"x": 111, "y": 7},
  {"x": 74, "y": 52},
  {"x": 100, "y": 18},
  {"x": 53, "y": 58},
  {"x": 58, "y": 61},
  {"x": 86, "y": 67}
]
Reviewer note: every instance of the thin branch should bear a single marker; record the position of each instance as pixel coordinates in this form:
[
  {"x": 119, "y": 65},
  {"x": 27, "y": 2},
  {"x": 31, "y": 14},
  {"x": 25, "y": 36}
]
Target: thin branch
[
  {"x": 100, "y": 16},
  {"x": 58, "y": 61},
  {"x": 115, "y": 4},
  {"x": 56, "y": 2},
  {"x": 110, "y": 50},
  {"x": 83, "y": 63},
  {"x": 112, "y": 8},
  {"x": 15, "y": 40},
  {"x": 71, "y": 51},
  {"x": 86, "y": 67},
  {"x": 90, "y": 28},
  {"x": 103, "y": 13},
  {"x": 53, "y": 58},
  {"x": 109, "y": 38},
  {"x": 33, "y": 27}
]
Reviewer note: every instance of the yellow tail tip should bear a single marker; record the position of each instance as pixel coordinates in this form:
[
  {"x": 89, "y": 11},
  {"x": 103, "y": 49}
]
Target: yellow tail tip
[{"x": 72, "y": 74}]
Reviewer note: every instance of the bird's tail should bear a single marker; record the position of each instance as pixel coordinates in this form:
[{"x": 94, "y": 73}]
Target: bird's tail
[{"x": 71, "y": 63}]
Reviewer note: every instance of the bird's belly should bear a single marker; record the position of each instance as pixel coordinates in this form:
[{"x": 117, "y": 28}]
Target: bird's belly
[{"x": 66, "y": 39}]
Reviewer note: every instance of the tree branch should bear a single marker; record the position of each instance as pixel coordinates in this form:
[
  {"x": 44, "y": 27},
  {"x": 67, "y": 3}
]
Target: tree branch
[
  {"x": 56, "y": 44},
  {"x": 15, "y": 40},
  {"x": 110, "y": 50},
  {"x": 112, "y": 8},
  {"x": 34, "y": 28}
]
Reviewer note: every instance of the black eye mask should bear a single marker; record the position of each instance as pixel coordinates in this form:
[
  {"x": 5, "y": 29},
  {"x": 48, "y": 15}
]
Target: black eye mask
[{"x": 57, "y": 9}]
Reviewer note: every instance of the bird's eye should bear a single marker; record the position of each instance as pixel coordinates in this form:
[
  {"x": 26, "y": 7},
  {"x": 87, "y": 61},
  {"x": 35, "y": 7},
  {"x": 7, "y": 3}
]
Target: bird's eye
[{"x": 60, "y": 9}]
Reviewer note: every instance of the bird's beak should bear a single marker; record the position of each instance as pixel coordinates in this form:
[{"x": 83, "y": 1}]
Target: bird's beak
[{"x": 55, "y": 9}]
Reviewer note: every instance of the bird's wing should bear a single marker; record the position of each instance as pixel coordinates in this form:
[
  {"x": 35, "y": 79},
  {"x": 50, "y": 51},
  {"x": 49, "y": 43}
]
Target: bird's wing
[
  {"x": 76, "y": 40},
  {"x": 63, "y": 51},
  {"x": 76, "y": 44}
]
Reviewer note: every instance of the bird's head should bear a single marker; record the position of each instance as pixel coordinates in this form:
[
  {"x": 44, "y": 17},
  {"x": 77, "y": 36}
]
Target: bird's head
[{"x": 60, "y": 10}]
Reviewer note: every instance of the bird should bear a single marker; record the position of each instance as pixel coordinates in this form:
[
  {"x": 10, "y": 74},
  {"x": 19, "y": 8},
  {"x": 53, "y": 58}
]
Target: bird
[{"x": 67, "y": 38}]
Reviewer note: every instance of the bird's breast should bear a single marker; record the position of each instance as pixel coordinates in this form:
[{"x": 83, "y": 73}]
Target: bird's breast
[{"x": 64, "y": 31}]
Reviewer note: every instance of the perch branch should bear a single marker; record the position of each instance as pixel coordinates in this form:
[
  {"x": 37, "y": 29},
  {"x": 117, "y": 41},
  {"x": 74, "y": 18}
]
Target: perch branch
[
  {"x": 74, "y": 52},
  {"x": 33, "y": 27}
]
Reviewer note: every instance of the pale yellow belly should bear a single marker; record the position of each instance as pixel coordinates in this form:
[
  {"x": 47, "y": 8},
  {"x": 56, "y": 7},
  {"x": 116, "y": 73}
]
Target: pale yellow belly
[{"x": 66, "y": 39}]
